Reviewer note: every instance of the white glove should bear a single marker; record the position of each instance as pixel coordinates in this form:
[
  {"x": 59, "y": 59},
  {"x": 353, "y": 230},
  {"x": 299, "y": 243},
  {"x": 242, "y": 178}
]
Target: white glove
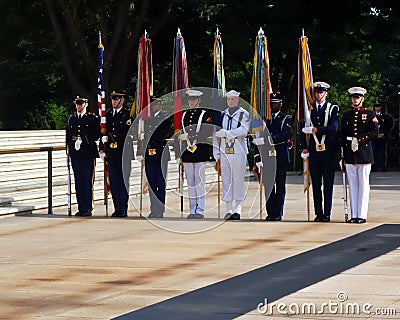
[
  {"x": 183, "y": 136},
  {"x": 354, "y": 144},
  {"x": 139, "y": 158},
  {"x": 178, "y": 161},
  {"x": 78, "y": 144},
  {"x": 221, "y": 133},
  {"x": 102, "y": 155},
  {"x": 104, "y": 139},
  {"x": 307, "y": 130},
  {"x": 305, "y": 155},
  {"x": 217, "y": 157},
  {"x": 141, "y": 136},
  {"x": 259, "y": 165},
  {"x": 259, "y": 141}
]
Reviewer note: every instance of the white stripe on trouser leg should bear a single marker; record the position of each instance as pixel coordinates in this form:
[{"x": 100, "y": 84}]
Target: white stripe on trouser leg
[
  {"x": 363, "y": 192},
  {"x": 196, "y": 177},
  {"x": 358, "y": 178},
  {"x": 353, "y": 188}
]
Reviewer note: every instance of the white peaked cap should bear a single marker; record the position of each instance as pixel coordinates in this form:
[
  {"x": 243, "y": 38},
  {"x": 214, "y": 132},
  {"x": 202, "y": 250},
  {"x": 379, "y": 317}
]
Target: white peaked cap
[
  {"x": 357, "y": 90},
  {"x": 321, "y": 85},
  {"x": 233, "y": 93},
  {"x": 193, "y": 93}
]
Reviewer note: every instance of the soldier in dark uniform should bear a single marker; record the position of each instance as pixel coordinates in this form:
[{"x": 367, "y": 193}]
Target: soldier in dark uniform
[
  {"x": 194, "y": 152},
  {"x": 153, "y": 149},
  {"x": 385, "y": 126},
  {"x": 82, "y": 133},
  {"x": 279, "y": 128},
  {"x": 359, "y": 128},
  {"x": 321, "y": 149},
  {"x": 117, "y": 147}
]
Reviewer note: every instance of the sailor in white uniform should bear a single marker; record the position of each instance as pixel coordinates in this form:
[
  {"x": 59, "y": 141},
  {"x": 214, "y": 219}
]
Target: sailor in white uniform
[{"x": 230, "y": 148}]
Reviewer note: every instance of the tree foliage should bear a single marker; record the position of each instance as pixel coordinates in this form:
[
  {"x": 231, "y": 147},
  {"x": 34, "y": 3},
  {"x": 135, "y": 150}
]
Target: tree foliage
[{"x": 49, "y": 48}]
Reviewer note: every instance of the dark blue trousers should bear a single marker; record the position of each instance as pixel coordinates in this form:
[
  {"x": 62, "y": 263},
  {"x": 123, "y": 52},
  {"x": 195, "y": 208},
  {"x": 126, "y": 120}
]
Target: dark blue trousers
[
  {"x": 119, "y": 183},
  {"x": 156, "y": 171},
  {"x": 379, "y": 148},
  {"x": 322, "y": 170},
  {"x": 276, "y": 198},
  {"x": 84, "y": 178}
]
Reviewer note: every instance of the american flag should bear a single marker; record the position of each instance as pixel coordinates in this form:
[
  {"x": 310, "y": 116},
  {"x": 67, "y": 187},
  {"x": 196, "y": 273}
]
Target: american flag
[{"x": 101, "y": 104}]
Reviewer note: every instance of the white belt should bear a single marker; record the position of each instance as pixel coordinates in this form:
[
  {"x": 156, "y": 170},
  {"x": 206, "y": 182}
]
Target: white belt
[{"x": 350, "y": 138}]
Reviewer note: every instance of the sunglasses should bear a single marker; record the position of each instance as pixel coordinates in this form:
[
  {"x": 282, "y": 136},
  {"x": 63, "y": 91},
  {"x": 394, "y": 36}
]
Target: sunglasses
[{"x": 116, "y": 97}]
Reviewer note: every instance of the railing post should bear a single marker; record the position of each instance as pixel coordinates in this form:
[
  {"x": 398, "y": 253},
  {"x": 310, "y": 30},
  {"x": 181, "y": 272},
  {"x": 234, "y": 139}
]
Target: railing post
[{"x": 50, "y": 180}]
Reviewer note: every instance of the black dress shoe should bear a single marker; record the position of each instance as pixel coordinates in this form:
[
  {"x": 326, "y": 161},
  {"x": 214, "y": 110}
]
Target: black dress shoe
[
  {"x": 272, "y": 218},
  {"x": 122, "y": 215},
  {"x": 360, "y": 220},
  {"x": 154, "y": 215},
  {"x": 353, "y": 220},
  {"x": 195, "y": 216},
  {"x": 79, "y": 214},
  {"x": 86, "y": 214},
  {"x": 317, "y": 218},
  {"x": 227, "y": 216},
  {"x": 235, "y": 216},
  {"x": 116, "y": 214},
  {"x": 325, "y": 219}
]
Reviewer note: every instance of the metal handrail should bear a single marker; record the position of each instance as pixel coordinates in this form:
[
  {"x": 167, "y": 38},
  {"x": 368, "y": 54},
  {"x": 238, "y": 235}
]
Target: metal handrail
[
  {"x": 34, "y": 149},
  {"x": 49, "y": 150}
]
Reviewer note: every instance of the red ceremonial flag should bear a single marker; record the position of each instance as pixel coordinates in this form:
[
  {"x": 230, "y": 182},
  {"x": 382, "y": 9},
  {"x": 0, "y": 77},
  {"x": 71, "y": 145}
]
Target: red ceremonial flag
[
  {"x": 144, "y": 86},
  {"x": 179, "y": 78}
]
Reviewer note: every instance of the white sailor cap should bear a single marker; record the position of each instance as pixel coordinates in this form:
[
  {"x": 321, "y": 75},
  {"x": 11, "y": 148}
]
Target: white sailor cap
[
  {"x": 233, "y": 93},
  {"x": 194, "y": 93},
  {"x": 357, "y": 91},
  {"x": 321, "y": 86}
]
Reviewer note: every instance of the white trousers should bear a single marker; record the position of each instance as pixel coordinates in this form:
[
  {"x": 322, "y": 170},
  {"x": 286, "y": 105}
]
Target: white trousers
[
  {"x": 233, "y": 167},
  {"x": 358, "y": 177},
  {"x": 196, "y": 179}
]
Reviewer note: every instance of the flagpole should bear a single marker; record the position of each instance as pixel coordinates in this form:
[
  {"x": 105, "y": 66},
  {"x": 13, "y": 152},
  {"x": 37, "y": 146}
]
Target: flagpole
[
  {"x": 218, "y": 92},
  {"x": 260, "y": 94},
  {"x": 305, "y": 101},
  {"x": 101, "y": 104},
  {"x": 179, "y": 82},
  {"x": 144, "y": 90},
  {"x": 69, "y": 182}
]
